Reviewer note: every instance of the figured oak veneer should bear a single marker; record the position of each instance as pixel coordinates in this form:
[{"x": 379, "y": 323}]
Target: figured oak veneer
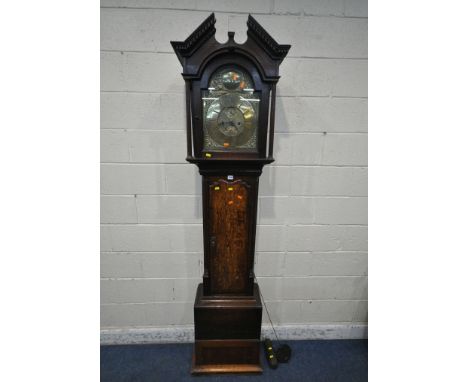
[
  {"x": 229, "y": 223},
  {"x": 228, "y": 232}
]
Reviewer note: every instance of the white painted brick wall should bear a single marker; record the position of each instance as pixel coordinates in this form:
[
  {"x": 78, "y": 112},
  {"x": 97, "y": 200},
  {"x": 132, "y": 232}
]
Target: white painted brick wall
[
  {"x": 145, "y": 111},
  {"x": 311, "y": 250}
]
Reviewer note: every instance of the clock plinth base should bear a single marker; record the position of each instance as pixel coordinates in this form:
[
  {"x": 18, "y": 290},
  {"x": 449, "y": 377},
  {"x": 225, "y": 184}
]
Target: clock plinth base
[
  {"x": 227, "y": 333},
  {"x": 226, "y": 356}
]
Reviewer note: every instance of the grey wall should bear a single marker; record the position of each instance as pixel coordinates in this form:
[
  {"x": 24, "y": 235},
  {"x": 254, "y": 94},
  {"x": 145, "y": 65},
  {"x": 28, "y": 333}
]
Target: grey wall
[{"x": 311, "y": 256}]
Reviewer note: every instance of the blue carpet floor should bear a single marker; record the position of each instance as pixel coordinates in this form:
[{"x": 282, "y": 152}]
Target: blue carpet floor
[{"x": 321, "y": 361}]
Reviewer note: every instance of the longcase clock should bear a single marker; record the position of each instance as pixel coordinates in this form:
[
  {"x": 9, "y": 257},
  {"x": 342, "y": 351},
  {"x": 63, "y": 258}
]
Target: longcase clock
[{"x": 230, "y": 107}]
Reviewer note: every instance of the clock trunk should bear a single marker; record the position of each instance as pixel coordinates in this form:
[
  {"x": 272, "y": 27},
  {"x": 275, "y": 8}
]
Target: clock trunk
[{"x": 230, "y": 205}]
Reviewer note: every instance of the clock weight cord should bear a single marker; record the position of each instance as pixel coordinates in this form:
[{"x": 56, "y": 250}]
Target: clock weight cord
[
  {"x": 283, "y": 352},
  {"x": 268, "y": 313}
]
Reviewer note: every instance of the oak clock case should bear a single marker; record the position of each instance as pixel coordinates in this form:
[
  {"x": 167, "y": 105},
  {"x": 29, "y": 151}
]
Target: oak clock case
[{"x": 230, "y": 106}]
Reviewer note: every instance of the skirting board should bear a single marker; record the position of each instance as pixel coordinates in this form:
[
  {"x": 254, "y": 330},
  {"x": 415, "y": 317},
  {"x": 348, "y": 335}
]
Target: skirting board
[{"x": 181, "y": 334}]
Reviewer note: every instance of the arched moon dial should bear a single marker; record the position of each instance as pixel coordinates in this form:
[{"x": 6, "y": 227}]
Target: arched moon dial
[
  {"x": 231, "y": 80},
  {"x": 230, "y": 120}
]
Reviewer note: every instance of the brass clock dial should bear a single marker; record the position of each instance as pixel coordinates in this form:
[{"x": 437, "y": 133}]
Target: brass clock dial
[
  {"x": 230, "y": 121},
  {"x": 230, "y": 111}
]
